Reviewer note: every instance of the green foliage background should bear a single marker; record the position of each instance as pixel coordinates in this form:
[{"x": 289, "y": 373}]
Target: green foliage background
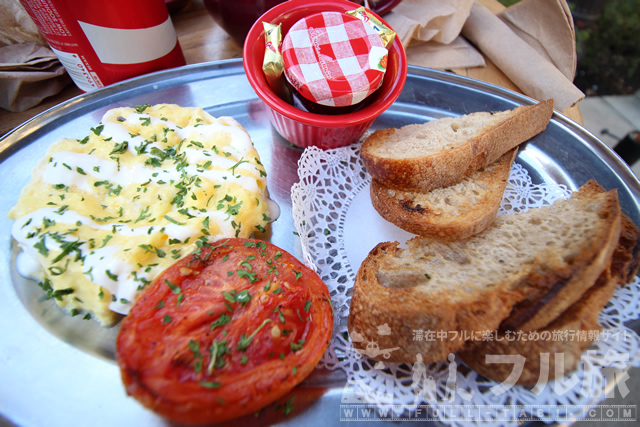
[{"x": 609, "y": 51}]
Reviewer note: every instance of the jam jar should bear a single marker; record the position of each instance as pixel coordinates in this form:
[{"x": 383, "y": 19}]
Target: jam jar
[{"x": 333, "y": 63}]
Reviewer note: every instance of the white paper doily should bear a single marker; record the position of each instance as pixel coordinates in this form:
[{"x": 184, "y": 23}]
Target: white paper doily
[{"x": 338, "y": 226}]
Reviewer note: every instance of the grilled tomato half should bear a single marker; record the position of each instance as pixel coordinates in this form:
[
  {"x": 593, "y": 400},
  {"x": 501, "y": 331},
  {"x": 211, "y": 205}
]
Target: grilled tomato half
[{"x": 224, "y": 332}]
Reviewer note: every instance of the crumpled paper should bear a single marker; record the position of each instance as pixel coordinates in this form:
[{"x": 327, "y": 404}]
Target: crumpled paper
[
  {"x": 439, "y": 21},
  {"x": 531, "y": 21},
  {"x": 16, "y": 26},
  {"x": 430, "y": 32},
  {"x": 29, "y": 70},
  {"x": 533, "y": 73},
  {"x": 532, "y": 42},
  {"x": 29, "y": 73}
]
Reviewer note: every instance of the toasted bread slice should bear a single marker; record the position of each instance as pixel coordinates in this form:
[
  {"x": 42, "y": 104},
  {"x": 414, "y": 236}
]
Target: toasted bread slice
[
  {"x": 563, "y": 341},
  {"x": 570, "y": 333},
  {"x": 542, "y": 307},
  {"x": 451, "y": 213},
  {"x": 626, "y": 258},
  {"x": 471, "y": 285},
  {"x": 441, "y": 153}
]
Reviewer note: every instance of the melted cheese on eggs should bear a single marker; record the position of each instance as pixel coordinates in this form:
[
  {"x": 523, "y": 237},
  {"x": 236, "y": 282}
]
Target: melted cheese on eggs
[{"x": 104, "y": 215}]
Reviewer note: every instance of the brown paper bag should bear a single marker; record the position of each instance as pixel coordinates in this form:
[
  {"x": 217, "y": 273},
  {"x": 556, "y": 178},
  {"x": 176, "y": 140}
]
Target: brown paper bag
[
  {"x": 29, "y": 73},
  {"x": 16, "y": 26},
  {"x": 29, "y": 70}
]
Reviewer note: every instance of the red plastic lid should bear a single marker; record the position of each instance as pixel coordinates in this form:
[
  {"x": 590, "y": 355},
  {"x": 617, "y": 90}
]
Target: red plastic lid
[{"x": 334, "y": 59}]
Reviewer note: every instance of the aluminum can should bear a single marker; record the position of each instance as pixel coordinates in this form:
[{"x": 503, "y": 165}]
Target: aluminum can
[{"x": 103, "y": 42}]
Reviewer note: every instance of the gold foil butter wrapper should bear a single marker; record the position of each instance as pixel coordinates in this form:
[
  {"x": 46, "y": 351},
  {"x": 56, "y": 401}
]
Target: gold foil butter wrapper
[
  {"x": 386, "y": 34},
  {"x": 273, "y": 64}
]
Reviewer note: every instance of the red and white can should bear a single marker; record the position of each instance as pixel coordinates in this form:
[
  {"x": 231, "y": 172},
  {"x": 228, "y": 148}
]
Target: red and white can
[{"x": 104, "y": 42}]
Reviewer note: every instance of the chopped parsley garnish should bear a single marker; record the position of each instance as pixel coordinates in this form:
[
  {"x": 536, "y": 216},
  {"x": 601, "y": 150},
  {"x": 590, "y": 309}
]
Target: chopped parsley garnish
[
  {"x": 238, "y": 163},
  {"x": 174, "y": 288},
  {"x": 168, "y": 218},
  {"x": 57, "y": 293},
  {"x": 251, "y": 276},
  {"x": 142, "y": 148},
  {"x": 62, "y": 209},
  {"x": 243, "y": 297},
  {"x": 144, "y": 214},
  {"x": 229, "y": 296},
  {"x": 140, "y": 108},
  {"x": 296, "y": 346},
  {"x": 41, "y": 247},
  {"x": 217, "y": 350},
  {"x": 210, "y": 384},
  {"x": 112, "y": 276},
  {"x": 280, "y": 315},
  {"x": 120, "y": 148},
  {"x": 222, "y": 320},
  {"x": 97, "y": 130},
  {"x": 154, "y": 250},
  {"x": 195, "y": 348},
  {"x": 288, "y": 406},
  {"x": 244, "y": 341}
]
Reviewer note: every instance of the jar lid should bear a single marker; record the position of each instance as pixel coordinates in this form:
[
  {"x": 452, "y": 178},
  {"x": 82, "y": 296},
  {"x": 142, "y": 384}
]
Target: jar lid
[{"x": 334, "y": 59}]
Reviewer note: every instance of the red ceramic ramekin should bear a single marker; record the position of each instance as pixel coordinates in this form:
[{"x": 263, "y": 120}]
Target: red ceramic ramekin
[{"x": 305, "y": 129}]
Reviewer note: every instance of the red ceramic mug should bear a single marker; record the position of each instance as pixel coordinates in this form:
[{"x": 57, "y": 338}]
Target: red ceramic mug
[{"x": 236, "y": 17}]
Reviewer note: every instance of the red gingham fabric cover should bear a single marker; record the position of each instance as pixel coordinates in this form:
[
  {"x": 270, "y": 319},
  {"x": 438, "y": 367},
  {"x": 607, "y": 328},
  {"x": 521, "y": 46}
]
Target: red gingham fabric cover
[{"x": 334, "y": 59}]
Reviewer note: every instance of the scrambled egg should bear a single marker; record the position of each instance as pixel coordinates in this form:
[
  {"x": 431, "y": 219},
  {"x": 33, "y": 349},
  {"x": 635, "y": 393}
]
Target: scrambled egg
[{"x": 104, "y": 215}]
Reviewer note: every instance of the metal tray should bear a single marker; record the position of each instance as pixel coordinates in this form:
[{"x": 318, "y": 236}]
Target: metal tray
[{"x": 55, "y": 369}]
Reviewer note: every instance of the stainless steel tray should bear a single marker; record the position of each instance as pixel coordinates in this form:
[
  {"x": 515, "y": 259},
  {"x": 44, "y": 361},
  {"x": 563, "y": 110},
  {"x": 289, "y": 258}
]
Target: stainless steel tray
[{"x": 55, "y": 369}]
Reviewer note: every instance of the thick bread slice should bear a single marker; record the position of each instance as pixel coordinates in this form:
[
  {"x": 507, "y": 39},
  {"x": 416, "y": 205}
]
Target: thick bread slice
[
  {"x": 468, "y": 286},
  {"x": 450, "y": 213},
  {"x": 626, "y": 258},
  {"x": 441, "y": 153},
  {"x": 542, "y": 307},
  {"x": 563, "y": 341},
  {"x": 577, "y": 322}
]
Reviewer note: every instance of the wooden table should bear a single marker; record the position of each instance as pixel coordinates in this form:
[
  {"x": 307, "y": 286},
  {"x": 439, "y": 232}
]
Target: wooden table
[{"x": 202, "y": 40}]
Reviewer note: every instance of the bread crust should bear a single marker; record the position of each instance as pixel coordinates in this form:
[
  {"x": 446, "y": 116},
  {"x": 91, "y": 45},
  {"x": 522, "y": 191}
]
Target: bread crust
[
  {"x": 626, "y": 258},
  {"x": 581, "y": 318},
  {"x": 541, "y": 308},
  {"x": 412, "y": 211},
  {"x": 452, "y": 166}
]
